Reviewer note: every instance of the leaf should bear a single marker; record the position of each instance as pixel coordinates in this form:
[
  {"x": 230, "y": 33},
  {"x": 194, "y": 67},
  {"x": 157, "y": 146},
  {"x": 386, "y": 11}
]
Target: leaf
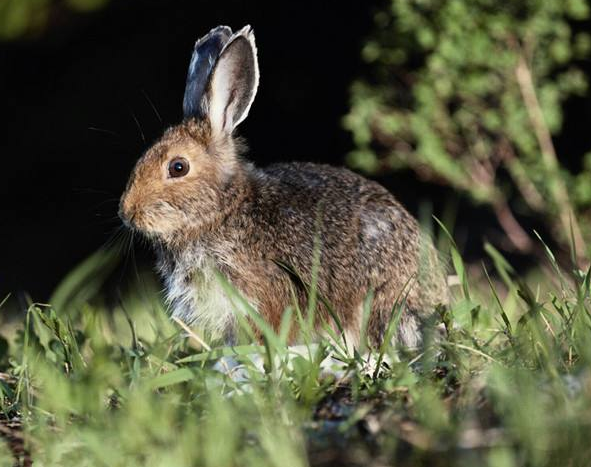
[
  {"x": 171, "y": 378},
  {"x": 83, "y": 283},
  {"x": 223, "y": 352},
  {"x": 456, "y": 260}
]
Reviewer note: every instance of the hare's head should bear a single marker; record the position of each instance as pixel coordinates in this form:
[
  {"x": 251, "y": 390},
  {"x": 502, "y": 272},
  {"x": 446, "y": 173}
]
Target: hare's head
[{"x": 181, "y": 183}]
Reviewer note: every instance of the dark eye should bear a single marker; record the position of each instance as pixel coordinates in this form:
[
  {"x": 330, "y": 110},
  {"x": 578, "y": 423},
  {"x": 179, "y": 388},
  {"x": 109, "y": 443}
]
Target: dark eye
[{"x": 178, "y": 167}]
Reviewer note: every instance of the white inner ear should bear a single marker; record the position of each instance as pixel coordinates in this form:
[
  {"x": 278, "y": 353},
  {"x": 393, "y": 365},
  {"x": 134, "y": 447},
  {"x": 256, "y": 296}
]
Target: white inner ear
[{"x": 223, "y": 96}]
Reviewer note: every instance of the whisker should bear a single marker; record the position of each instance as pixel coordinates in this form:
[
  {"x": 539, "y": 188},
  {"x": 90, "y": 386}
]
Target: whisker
[
  {"x": 153, "y": 106},
  {"x": 139, "y": 127},
  {"x": 93, "y": 191},
  {"x": 103, "y": 130},
  {"x": 142, "y": 285},
  {"x": 115, "y": 238},
  {"x": 101, "y": 221},
  {"x": 124, "y": 246},
  {"x": 106, "y": 201}
]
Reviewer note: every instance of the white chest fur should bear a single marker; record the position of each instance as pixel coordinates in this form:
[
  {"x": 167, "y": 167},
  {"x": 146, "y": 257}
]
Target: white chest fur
[{"x": 196, "y": 294}]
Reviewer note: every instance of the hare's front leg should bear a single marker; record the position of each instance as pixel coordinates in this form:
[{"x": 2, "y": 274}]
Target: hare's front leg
[{"x": 267, "y": 288}]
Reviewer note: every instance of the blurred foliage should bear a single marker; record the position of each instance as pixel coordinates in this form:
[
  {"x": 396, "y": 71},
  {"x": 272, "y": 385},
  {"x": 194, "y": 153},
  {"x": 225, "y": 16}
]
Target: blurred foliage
[
  {"x": 468, "y": 93},
  {"x": 20, "y": 18},
  {"x": 508, "y": 386}
]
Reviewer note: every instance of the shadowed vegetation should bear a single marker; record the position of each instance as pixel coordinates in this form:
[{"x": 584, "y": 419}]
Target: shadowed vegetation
[
  {"x": 508, "y": 386},
  {"x": 469, "y": 94}
]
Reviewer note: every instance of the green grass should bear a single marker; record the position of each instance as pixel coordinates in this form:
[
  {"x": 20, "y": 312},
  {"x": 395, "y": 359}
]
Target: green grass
[{"x": 510, "y": 385}]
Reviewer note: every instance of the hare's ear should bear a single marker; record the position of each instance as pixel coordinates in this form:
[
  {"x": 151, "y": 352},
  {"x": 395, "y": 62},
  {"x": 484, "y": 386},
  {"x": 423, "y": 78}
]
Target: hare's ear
[
  {"x": 234, "y": 82},
  {"x": 205, "y": 54}
]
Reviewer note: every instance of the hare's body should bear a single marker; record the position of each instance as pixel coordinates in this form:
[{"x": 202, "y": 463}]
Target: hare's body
[
  {"x": 265, "y": 247},
  {"x": 208, "y": 211}
]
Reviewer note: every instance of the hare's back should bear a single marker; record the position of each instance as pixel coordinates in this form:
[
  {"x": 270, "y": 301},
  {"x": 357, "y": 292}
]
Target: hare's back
[
  {"x": 368, "y": 240},
  {"x": 325, "y": 183},
  {"x": 353, "y": 214}
]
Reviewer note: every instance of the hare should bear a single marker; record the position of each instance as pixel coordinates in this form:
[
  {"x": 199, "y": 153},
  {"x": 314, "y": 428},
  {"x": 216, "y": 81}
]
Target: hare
[{"x": 207, "y": 211}]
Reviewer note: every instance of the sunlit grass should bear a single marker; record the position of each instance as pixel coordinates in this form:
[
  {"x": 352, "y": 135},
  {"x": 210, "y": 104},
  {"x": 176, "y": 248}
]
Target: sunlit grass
[{"x": 509, "y": 385}]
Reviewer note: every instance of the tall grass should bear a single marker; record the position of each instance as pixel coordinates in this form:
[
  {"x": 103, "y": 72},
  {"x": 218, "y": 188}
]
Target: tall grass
[{"x": 510, "y": 384}]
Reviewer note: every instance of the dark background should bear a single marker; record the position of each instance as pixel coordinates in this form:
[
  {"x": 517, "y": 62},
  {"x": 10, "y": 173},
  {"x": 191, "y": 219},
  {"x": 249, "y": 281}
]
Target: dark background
[
  {"x": 83, "y": 100},
  {"x": 78, "y": 102}
]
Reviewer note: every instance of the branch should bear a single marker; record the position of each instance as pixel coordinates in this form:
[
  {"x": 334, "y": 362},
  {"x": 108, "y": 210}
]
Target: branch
[
  {"x": 526, "y": 187},
  {"x": 517, "y": 236},
  {"x": 549, "y": 157}
]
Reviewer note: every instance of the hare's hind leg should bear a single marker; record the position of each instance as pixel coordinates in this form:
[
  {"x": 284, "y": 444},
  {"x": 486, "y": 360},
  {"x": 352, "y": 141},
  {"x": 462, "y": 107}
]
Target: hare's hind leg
[
  {"x": 409, "y": 332},
  {"x": 408, "y": 324}
]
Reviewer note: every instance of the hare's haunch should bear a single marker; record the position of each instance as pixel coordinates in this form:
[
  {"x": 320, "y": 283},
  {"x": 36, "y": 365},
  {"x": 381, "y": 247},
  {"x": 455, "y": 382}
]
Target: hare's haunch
[{"x": 207, "y": 210}]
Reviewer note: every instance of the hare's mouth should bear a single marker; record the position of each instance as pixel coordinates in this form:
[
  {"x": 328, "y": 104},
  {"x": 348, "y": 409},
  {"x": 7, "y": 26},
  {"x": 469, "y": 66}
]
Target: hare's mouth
[
  {"x": 136, "y": 221},
  {"x": 128, "y": 217},
  {"x": 152, "y": 221},
  {"x": 127, "y": 221}
]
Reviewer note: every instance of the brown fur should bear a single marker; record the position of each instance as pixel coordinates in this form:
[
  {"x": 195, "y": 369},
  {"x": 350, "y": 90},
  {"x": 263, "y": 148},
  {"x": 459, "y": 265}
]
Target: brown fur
[
  {"x": 248, "y": 222},
  {"x": 261, "y": 227}
]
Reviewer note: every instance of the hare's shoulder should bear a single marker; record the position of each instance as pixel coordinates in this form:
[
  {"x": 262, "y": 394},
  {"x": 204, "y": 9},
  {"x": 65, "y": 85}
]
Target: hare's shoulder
[
  {"x": 310, "y": 175},
  {"x": 301, "y": 181},
  {"x": 337, "y": 185},
  {"x": 291, "y": 194}
]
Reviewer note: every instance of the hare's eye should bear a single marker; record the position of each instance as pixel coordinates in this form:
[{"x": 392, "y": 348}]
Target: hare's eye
[{"x": 178, "y": 167}]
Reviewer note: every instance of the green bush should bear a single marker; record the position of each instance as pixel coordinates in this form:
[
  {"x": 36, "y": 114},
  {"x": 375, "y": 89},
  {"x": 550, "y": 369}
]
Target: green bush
[{"x": 468, "y": 93}]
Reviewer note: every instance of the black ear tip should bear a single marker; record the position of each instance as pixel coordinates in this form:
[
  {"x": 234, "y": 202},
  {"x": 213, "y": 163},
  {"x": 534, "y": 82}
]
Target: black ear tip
[
  {"x": 206, "y": 52},
  {"x": 219, "y": 33},
  {"x": 223, "y": 30}
]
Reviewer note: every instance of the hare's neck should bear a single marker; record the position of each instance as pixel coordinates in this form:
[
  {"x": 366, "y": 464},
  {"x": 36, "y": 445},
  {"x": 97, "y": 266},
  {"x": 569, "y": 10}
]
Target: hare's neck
[
  {"x": 193, "y": 290},
  {"x": 211, "y": 246},
  {"x": 237, "y": 191},
  {"x": 186, "y": 259}
]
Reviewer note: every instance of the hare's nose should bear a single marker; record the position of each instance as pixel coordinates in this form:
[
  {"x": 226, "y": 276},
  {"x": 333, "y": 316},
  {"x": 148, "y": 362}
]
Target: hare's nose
[
  {"x": 125, "y": 218},
  {"x": 127, "y": 211}
]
